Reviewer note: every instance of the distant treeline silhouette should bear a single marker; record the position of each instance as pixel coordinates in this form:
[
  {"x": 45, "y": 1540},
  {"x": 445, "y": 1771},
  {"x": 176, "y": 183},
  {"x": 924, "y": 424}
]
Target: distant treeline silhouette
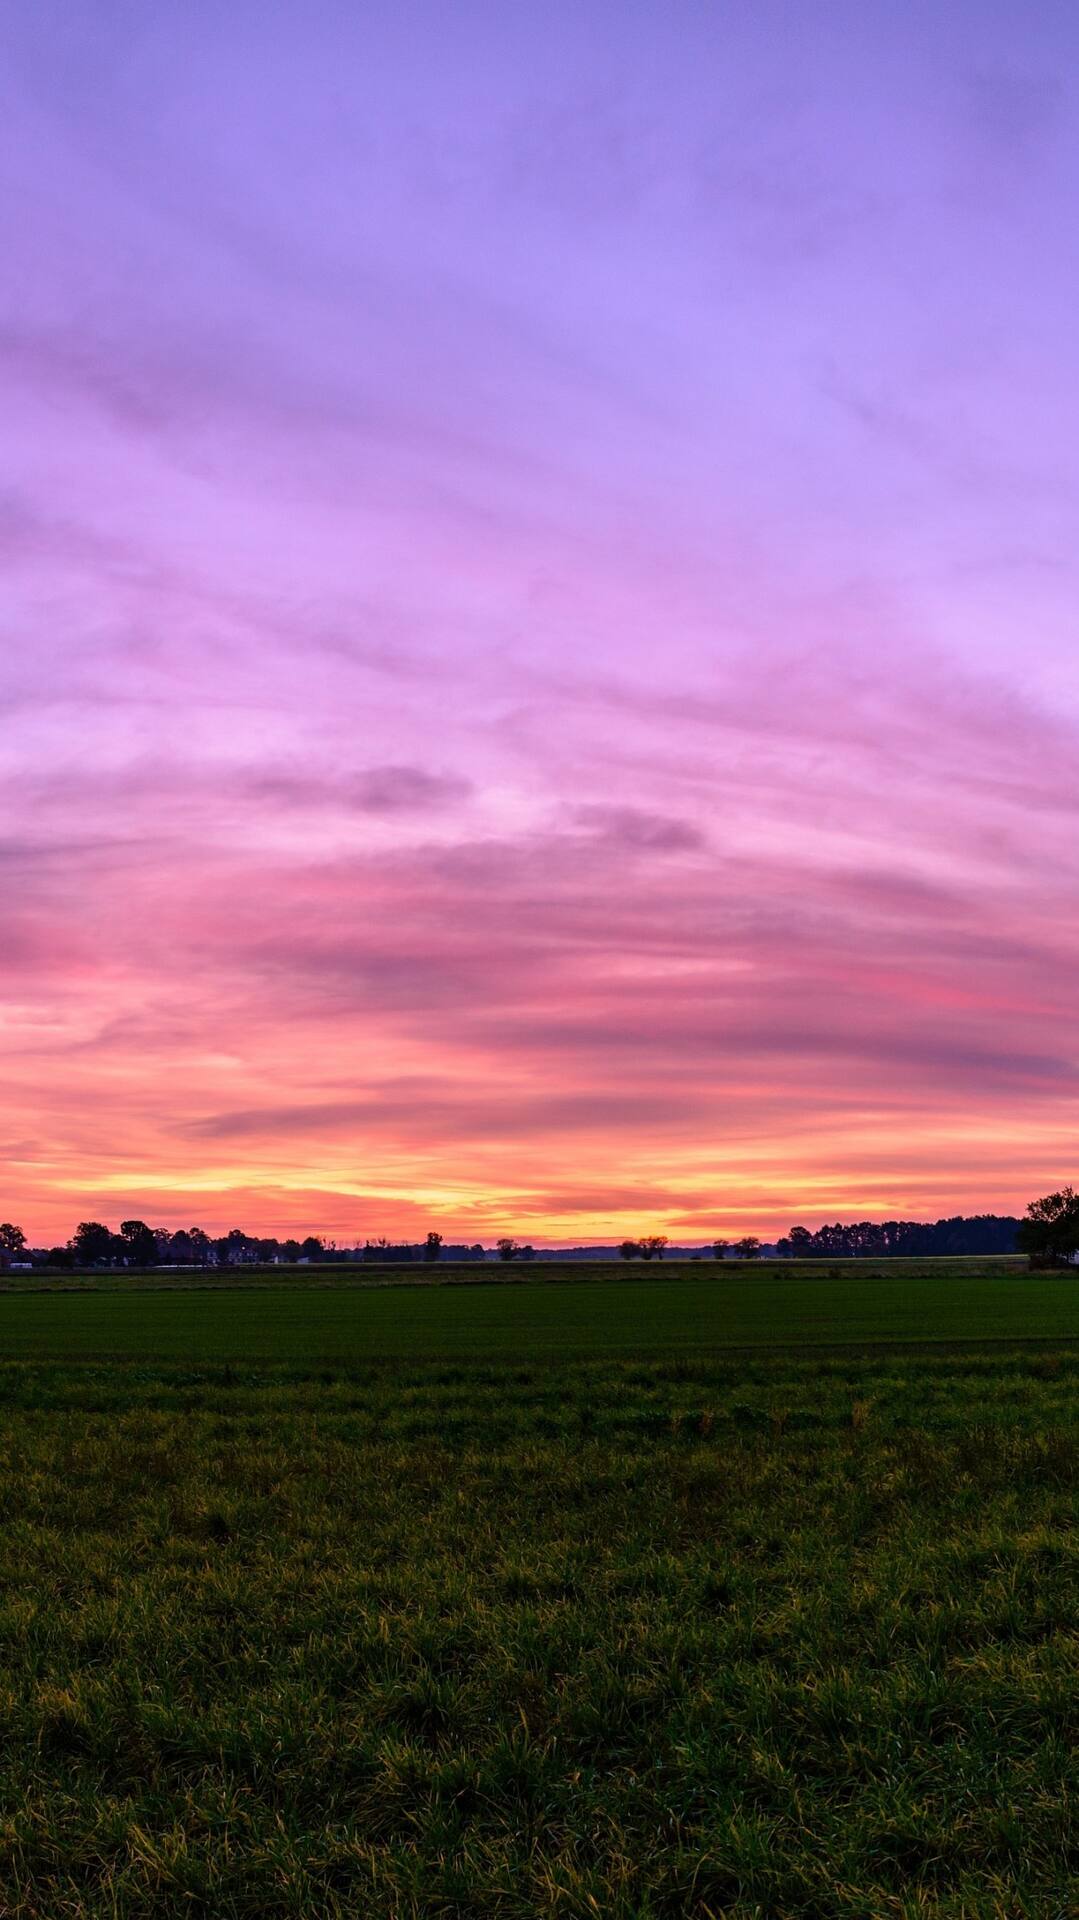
[
  {"x": 902, "y": 1239},
  {"x": 93, "y": 1244},
  {"x": 138, "y": 1245}
]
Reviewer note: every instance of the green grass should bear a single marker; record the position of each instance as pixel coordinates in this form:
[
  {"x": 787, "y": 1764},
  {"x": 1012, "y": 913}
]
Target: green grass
[
  {"x": 308, "y": 1619},
  {"x": 687, "y": 1311}
]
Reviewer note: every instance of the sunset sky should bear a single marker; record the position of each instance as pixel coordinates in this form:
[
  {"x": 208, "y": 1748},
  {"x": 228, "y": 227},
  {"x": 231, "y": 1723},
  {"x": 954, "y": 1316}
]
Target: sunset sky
[{"x": 539, "y": 670}]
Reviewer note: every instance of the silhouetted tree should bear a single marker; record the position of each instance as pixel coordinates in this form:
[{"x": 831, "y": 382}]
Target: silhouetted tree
[
  {"x": 140, "y": 1244},
  {"x": 232, "y": 1248},
  {"x": 719, "y": 1249},
  {"x": 91, "y": 1242},
  {"x": 507, "y": 1248},
  {"x": 312, "y": 1248},
  {"x": 749, "y": 1248},
  {"x": 12, "y": 1239},
  {"x": 1050, "y": 1232},
  {"x": 432, "y": 1246},
  {"x": 652, "y": 1246},
  {"x": 526, "y": 1252},
  {"x": 630, "y": 1250}
]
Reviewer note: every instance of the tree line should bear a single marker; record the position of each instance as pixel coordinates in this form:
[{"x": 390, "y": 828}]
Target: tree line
[
  {"x": 1049, "y": 1233},
  {"x": 93, "y": 1244},
  {"x": 981, "y": 1233},
  {"x": 654, "y": 1245},
  {"x": 902, "y": 1239}
]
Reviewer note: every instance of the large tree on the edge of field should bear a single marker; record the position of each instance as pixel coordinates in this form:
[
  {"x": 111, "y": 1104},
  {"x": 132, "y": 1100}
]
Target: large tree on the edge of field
[
  {"x": 12, "y": 1239},
  {"x": 1050, "y": 1232},
  {"x": 140, "y": 1242},
  {"x": 91, "y": 1242},
  {"x": 749, "y": 1248},
  {"x": 432, "y": 1247}
]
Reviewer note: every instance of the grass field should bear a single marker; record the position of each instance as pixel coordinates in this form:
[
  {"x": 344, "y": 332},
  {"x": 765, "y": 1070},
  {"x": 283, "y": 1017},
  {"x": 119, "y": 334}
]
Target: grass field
[
  {"x": 507, "y": 1601},
  {"x": 692, "y": 1310}
]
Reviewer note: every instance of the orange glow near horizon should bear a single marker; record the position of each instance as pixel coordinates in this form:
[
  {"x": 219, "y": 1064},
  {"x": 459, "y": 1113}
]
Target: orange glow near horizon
[
  {"x": 591, "y": 1029},
  {"x": 181, "y": 1138}
]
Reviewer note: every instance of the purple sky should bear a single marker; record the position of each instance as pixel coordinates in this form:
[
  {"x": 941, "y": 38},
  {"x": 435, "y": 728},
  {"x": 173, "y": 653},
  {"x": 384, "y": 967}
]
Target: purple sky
[{"x": 537, "y": 614}]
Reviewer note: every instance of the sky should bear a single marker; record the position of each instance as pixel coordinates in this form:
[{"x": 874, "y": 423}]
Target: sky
[{"x": 539, "y": 682}]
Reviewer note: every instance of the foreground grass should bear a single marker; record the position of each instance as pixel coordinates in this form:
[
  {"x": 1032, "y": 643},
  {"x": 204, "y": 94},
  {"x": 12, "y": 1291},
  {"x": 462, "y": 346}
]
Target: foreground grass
[{"x": 764, "y": 1636}]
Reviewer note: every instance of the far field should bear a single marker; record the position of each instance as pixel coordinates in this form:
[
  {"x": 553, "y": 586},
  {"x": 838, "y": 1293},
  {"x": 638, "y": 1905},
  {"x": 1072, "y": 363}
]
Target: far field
[
  {"x": 712, "y": 1596},
  {"x": 351, "y": 1315}
]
